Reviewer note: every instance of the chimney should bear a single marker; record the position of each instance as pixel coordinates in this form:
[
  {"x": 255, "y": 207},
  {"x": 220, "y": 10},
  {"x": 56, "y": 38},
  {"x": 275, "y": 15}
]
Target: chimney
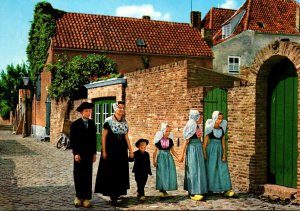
[
  {"x": 297, "y": 18},
  {"x": 196, "y": 19},
  {"x": 146, "y": 17},
  {"x": 207, "y": 35}
]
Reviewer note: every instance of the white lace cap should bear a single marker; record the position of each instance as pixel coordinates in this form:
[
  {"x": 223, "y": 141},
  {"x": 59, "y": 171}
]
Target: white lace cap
[
  {"x": 115, "y": 106},
  {"x": 210, "y": 123},
  {"x": 159, "y": 134},
  {"x": 190, "y": 128}
]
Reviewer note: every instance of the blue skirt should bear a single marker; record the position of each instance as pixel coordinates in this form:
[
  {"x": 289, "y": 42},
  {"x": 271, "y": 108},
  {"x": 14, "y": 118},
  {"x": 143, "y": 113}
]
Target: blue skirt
[
  {"x": 195, "y": 181},
  {"x": 217, "y": 170},
  {"x": 166, "y": 177}
]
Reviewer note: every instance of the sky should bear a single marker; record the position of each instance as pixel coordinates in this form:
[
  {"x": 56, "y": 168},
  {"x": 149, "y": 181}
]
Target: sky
[{"x": 16, "y": 17}]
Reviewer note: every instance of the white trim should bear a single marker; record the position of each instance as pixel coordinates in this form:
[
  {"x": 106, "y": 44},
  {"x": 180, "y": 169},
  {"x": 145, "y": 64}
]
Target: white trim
[
  {"x": 226, "y": 30},
  {"x": 234, "y": 65}
]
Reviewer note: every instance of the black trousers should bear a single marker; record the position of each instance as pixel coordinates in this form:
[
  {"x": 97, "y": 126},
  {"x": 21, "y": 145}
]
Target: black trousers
[
  {"x": 141, "y": 180},
  {"x": 83, "y": 174}
]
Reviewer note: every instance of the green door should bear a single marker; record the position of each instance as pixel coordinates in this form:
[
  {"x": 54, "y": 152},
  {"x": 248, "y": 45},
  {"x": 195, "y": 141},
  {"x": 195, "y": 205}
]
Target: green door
[
  {"x": 215, "y": 100},
  {"x": 103, "y": 109},
  {"x": 282, "y": 125}
]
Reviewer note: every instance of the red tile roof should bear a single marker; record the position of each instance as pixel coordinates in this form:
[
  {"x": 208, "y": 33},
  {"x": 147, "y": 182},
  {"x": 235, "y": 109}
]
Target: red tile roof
[
  {"x": 119, "y": 34},
  {"x": 276, "y": 17},
  {"x": 215, "y": 18}
]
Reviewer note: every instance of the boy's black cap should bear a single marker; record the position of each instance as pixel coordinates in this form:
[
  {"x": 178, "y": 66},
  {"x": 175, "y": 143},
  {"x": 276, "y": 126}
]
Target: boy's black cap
[
  {"x": 141, "y": 140},
  {"x": 85, "y": 105}
]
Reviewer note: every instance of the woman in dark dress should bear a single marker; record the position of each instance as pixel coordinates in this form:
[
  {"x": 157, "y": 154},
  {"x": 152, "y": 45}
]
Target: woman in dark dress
[{"x": 113, "y": 172}]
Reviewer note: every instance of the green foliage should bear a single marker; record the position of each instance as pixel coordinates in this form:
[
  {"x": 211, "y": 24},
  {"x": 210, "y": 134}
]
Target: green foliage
[
  {"x": 10, "y": 81},
  {"x": 69, "y": 75},
  {"x": 42, "y": 29}
]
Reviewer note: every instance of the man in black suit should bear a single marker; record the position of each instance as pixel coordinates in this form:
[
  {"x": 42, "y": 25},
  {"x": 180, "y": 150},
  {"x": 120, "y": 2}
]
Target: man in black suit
[{"x": 83, "y": 143}]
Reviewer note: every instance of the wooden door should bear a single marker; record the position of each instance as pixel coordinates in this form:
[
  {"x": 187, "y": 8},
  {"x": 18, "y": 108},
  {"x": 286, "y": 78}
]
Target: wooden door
[
  {"x": 282, "y": 125},
  {"x": 215, "y": 100},
  {"x": 103, "y": 109}
]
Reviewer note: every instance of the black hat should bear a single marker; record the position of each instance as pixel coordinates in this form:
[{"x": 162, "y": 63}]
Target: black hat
[
  {"x": 141, "y": 140},
  {"x": 85, "y": 105}
]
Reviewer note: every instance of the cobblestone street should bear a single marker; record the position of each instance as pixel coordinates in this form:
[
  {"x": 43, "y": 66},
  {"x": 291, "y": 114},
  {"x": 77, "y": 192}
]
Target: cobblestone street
[{"x": 36, "y": 175}]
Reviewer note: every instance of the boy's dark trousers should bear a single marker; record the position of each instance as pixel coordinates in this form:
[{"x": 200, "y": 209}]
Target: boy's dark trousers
[{"x": 141, "y": 180}]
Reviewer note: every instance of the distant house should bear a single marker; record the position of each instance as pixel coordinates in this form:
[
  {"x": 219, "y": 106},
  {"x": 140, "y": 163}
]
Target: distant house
[
  {"x": 238, "y": 35},
  {"x": 259, "y": 43}
]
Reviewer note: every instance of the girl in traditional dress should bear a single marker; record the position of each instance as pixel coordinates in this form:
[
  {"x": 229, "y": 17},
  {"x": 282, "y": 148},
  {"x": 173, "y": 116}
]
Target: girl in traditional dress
[
  {"x": 215, "y": 154},
  {"x": 113, "y": 171},
  {"x": 166, "y": 177},
  {"x": 195, "y": 171}
]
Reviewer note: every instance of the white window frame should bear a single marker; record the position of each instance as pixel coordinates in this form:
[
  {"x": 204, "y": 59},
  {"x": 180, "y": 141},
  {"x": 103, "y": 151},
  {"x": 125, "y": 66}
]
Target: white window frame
[
  {"x": 233, "y": 66},
  {"x": 226, "y": 31}
]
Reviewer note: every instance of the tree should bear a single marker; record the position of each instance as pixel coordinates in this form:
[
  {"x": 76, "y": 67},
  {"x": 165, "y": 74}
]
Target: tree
[
  {"x": 69, "y": 75},
  {"x": 10, "y": 82}
]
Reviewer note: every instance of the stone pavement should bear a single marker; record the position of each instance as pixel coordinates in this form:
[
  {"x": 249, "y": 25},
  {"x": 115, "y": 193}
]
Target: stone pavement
[{"x": 36, "y": 175}]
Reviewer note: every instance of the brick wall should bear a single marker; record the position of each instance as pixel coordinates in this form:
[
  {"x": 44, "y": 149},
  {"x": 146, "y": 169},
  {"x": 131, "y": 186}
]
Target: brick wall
[
  {"x": 116, "y": 90},
  {"x": 160, "y": 94},
  {"x": 62, "y": 110},
  {"x": 128, "y": 62}
]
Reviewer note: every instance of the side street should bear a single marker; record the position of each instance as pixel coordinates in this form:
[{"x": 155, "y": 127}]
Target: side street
[{"x": 28, "y": 181}]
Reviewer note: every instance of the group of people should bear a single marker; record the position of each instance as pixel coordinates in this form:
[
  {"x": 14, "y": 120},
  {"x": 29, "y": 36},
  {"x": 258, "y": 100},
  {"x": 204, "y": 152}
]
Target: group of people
[{"x": 206, "y": 168}]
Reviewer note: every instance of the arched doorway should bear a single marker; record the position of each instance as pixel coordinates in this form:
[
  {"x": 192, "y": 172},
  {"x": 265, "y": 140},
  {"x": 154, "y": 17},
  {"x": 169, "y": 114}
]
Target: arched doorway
[{"x": 282, "y": 124}]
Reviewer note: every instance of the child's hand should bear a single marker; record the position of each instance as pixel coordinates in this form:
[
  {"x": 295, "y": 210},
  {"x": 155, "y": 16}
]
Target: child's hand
[
  {"x": 224, "y": 157},
  {"x": 104, "y": 155},
  {"x": 198, "y": 132}
]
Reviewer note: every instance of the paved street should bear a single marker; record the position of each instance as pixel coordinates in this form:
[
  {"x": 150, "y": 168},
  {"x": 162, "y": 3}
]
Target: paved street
[{"x": 36, "y": 175}]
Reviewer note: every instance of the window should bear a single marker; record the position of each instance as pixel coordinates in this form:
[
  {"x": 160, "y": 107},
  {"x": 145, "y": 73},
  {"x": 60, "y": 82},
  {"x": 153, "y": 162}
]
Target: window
[
  {"x": 233, "y": 64},
  {"x": 226, "y": 31},
  {"x": 140, "y": 42},
  {"x": 260, "y": 24}
]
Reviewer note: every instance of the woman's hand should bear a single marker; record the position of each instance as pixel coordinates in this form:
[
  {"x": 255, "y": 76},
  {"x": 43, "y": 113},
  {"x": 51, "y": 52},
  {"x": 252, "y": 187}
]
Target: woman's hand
[
  {"x": 131, "y": 154},
  {"x": 77, "y": 158},
  {"x": 224, "y": 157},
  {"x": 180, "y": 159},
  {"x": 104, "y": 155},
  {"x": 154, "y": 163}
]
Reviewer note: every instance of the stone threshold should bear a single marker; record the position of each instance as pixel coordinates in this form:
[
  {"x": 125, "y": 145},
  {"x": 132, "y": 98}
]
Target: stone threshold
[{"x": 277, "y": 192}]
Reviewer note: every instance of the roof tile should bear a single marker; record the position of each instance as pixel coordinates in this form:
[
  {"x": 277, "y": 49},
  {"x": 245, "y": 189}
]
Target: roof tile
[
  {"x": 110, "y": 33},
  {"x": 277, "y": 17}
]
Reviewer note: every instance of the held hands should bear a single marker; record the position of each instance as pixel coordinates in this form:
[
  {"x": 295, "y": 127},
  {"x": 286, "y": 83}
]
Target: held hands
[
  {"x": 77, "y": 158},
  {"x": 199, "y": 133},
  {"x": 104, "y": 155},
  {"x": 94, "y": 158},
  {"x": 154, "y": 163},
  {"x": 131, "y": 154},
  {"x": 224, "y": 157}
]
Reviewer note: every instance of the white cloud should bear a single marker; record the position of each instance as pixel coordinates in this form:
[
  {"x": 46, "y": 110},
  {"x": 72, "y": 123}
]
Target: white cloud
[
  {"x": 138, "y": 12},
  {"x": 230, "y": 4}
]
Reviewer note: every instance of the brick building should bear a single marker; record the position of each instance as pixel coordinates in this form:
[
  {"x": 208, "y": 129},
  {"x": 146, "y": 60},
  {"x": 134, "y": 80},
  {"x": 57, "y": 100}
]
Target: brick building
[{"x": 133, "y": 43}]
